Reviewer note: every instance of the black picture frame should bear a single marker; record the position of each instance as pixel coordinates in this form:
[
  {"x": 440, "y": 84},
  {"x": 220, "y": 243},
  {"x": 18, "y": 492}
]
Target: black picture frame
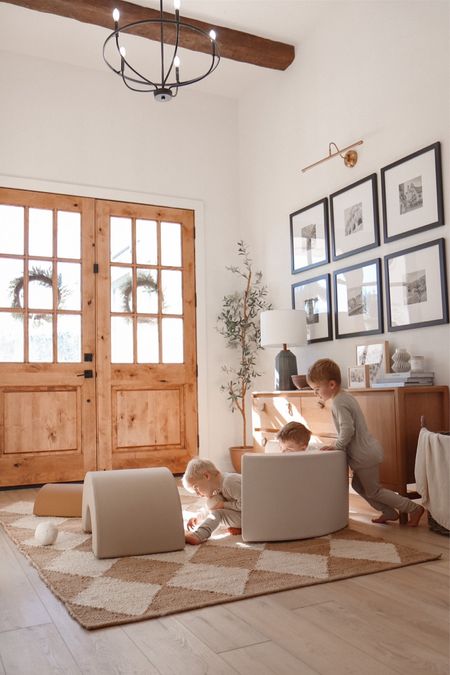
[
  {"x": 354, "y": 218},
  {"x": 309, "y": 236},
  {"x": 416, "y": 286},
  {"x": 412, "y": 194},
  {"x": 358, "y": 304},
  {"x": 317, "y": 306}
]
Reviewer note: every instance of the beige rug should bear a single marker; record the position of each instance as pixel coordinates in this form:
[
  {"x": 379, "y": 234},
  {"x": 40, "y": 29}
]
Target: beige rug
[{"x": 100, "y": 593}]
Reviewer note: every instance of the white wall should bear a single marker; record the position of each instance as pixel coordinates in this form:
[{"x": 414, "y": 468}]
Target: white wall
[
  {"x": 79, "y": 131},
  {"x": 378, "y": 71}
]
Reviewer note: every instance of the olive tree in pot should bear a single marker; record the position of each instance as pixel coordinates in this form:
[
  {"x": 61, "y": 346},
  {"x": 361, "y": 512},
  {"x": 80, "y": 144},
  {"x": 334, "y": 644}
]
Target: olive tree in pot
[{"x": 238, "y": 322}]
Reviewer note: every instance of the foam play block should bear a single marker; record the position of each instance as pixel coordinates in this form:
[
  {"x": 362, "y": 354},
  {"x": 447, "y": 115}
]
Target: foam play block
[{"x": 59, "y": 499}]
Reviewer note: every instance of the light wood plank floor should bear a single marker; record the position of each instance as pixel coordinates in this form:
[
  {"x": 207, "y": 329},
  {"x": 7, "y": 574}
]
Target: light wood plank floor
[{"x": 383, "y": 624}]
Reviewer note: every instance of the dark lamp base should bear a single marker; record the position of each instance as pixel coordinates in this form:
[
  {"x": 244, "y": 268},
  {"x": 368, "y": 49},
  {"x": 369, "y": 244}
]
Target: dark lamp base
[{"x": 285, "y": 366}]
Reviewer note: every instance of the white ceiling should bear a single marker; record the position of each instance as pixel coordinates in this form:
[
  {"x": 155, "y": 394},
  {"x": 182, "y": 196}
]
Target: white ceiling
[{"x": 60, "y": 39}]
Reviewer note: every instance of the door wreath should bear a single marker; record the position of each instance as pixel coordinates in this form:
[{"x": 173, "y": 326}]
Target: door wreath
[
  {"x": 144, "y": 281},
  {"x": 41, "y": 276}
]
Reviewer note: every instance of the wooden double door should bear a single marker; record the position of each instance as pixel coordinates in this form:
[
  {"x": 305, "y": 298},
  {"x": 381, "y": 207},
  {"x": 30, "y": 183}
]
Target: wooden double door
[{"x": 97, "y": 337}]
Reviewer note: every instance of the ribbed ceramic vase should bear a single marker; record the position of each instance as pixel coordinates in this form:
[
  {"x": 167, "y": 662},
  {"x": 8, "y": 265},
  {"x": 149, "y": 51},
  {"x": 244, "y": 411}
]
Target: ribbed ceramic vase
[{"x": 400, "y": 360}]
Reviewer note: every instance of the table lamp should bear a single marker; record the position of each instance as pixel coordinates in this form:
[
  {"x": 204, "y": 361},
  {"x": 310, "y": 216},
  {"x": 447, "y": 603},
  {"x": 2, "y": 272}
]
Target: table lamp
[{"x": 283, "y": 327}]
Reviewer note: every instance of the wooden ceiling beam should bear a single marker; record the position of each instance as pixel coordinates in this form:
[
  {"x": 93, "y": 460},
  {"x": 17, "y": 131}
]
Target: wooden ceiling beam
[{"x": 233, "y": 44}]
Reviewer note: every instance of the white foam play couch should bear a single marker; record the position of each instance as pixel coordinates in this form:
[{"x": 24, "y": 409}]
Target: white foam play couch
[{"x": 293, "y": 495}]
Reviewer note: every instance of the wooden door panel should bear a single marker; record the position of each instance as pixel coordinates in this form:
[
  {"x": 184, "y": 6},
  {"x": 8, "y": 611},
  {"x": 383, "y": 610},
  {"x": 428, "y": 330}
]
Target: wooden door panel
[
  {"x": 47, "y": 407},
  {"x": 147, "y": 390},
  {"x": 42, "y": 421},
  {"x": 148, "y": 418}
]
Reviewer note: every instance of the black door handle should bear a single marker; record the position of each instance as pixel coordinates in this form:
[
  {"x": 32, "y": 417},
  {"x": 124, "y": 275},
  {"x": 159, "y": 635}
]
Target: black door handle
[{"x": 88, "y": 374}]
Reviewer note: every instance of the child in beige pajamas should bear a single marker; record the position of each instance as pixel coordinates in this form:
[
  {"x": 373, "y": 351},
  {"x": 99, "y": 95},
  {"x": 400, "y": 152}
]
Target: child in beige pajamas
[
  {"x": 223, "y": 492},
  {"x": 364, "y": 453}
]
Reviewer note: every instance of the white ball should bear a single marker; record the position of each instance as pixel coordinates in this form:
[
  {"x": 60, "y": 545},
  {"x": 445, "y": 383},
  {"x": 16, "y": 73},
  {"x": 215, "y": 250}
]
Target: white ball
[{"x": 46, "y": 533}]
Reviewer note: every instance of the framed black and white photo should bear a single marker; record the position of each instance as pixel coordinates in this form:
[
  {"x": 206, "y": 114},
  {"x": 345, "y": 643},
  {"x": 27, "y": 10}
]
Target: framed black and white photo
[
  {"x": 358, "y": 308},
  {"x": 309, "y": 237},
  {"x": 358, "y": 377},
  {"x": 354, "y": 218},
  {"x": 416, "y": 286},
  {"x": 412, "y": 194},
  {"x": 314, "y": 297}
]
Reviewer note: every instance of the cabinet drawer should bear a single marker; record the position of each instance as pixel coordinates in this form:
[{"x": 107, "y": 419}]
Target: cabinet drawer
[
  {"x": 317, "y": 416},
  {"x": 272, "y": 413}
]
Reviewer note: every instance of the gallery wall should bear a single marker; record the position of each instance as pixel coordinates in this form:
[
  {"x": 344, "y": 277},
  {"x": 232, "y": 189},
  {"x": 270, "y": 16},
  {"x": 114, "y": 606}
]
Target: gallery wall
[{"x": 376, "y": 71}]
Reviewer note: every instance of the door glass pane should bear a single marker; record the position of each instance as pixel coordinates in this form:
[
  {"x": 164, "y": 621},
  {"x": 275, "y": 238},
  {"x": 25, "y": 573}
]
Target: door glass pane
[
  {"x": 11, "y": 337},
  {"x": 147, "y": 291},
  {"x": 121, "y": 289},
  {"x": 40, "y": 232},
  {"x": 172, "y": 340},
  {"x": 69, "y": 338},
  {"x": 69, "y": 291},
  {"x": 120, "y": 239},
  {"x": 172, "y": 296},
  {"x": 11, "y": 282},
  {"x": 11, "y": 229},
  {"x": 69, "y": 234},
  {"x": 121, "y": 340},
  {"x": 147, "y": 341},
  {"x": 40, "y": 293},
  {"x": 40, "y": 327},
  {"x": 171, "y": 244},
  {"x": 146, "y": 244}
]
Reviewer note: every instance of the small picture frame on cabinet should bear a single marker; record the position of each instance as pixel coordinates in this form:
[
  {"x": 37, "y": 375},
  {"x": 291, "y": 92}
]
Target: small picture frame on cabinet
[
  {"x": 309, "y": 236},
  {"x": 376, "y": 356},
  {"x": 354, "y": 218},
  {"x": 412, "y": 194},
  {"x": 359, "y": 377},
  {"x": 314, "y": 297}
]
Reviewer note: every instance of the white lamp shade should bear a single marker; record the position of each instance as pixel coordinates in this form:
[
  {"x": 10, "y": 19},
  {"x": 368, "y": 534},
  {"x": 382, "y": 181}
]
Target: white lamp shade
[{"x": 283, "y": 327}]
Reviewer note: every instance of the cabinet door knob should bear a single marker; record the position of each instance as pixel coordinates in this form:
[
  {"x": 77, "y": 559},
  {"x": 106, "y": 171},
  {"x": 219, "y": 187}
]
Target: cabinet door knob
[{"x": 289, "y": 408}]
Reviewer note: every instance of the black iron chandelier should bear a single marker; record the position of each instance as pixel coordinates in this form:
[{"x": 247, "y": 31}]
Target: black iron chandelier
[{"x": 169, "y": 80}]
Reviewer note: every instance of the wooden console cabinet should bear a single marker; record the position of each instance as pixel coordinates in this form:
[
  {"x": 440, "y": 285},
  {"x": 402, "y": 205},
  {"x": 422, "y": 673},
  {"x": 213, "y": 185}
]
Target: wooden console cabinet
[{"x": 392, "y": 414}]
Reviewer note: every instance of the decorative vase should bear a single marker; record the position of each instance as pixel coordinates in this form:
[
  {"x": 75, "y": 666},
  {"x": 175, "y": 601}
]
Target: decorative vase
[
  {"x": 236, "y": 455},
  {"x": 400, "y": 360},
  {"x": 418, "y": 363}
]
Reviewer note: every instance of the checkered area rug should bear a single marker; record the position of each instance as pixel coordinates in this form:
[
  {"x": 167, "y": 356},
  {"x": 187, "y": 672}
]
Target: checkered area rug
[{"x": 100, "y": 593}]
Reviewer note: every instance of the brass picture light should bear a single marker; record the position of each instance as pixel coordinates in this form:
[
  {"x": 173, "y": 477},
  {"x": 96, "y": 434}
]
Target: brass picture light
[{"x": 349, "y": 156}]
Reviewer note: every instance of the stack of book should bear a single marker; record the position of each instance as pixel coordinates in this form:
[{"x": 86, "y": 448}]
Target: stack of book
[{"x": 411, "y": 378}]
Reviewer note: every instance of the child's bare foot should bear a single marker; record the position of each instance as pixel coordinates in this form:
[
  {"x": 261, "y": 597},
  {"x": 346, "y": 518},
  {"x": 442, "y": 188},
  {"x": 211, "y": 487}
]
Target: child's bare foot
[
  {"x": 384, "y": 519},
  {"x": 415, "y": 516},
  {"x": 191, "y": 538},
  {"x": 234, "y": 530}
]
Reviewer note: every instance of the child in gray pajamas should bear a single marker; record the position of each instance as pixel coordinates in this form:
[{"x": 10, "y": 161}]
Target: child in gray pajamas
[
  {"x": 223, "y": 492},
  {"x": 364, "y": 453}
]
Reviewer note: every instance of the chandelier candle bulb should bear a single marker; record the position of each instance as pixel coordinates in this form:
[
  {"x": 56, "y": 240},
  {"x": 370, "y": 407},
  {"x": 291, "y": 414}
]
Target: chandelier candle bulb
[
  {"x": 212, "y": 34},
  {"x": 176, "y": 5},
  {"x": 116, "y": 16}
]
